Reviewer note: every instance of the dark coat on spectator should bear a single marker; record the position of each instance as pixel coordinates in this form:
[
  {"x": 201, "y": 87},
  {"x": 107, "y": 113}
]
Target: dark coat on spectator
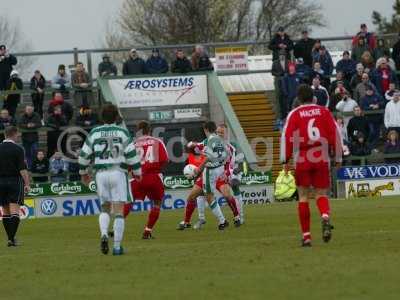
[
  {"x": 371, "y": 39},
  {"x": 82, "y": 118},
  {"x": 356, "y": 125},
  {"x": 6, "y": 66},
  {"x": 303, "y": 49},
  {"x": 40, "y": 167},
  {"x": 134, "y": 66},
  {"x": 365, "y": 103},
  {"x": 377, "y": 77},
  {"x": 356, "y": 79},
  {"x": 277, "y": 70},
  {"x": 108, "y": 68},
  {"x": 326, "y": 62},
  {"x": 360, "y": 149},
  {"x": 181, "y": 65},
  {"x": 35, "y": 83},
  {"x": 55, "y": 122},
  {"x": 66, "y": 109},
  {"x": 7, "y": 122},
  {"x": 274, "y": 46},
  {"x": 156, "y": 65},
  {"x": 201, "y": 62},
  {"x": 347, "y": 66},
  {"x": 304, "y": 72},
  {"x": 290, "y": 83},
  {"x": 396, "y": 54},
  {"x": 322, "y": 96},
  {"x": 32, "y": 135}
]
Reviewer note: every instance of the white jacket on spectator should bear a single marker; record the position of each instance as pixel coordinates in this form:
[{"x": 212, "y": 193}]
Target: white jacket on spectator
[
  {"x": 392, "y": 114},
  {"x": 345, "y": 106},
  {"x": 59, "y": 81}
]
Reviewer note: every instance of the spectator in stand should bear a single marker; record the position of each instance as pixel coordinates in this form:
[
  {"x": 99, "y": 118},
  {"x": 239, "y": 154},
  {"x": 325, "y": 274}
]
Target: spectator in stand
[
  {"x": 303, "y": 71},
  {"x": 359, "y": 147},
  {"x": 358, "y": 123},
  {"x": 181, "y": 64},
  {"x": 73, "y": 166},
  {"x": 368, "y": 62},
  {"x": 390, "y": 62},
  {"x": 156, "y": 64},
  {"x": 30, "y": 122},
  {"x": 381, "y": 50},
  {"x": 11, "y": 101},
  {"x": 303, "y": 48},
  {"x": 38, "y": 84},
  {"x": 342, "y": 128},
  {"x": 81, "y": 82},
  {"x": 86, "y": 118},
  {"x": 280, "y": 43},
  {"x": 5, "y": 121},
  {"x": 357, "y": 78},
  {"x": 134, "y": 65},
  {"x": 200, "y": 60},
  {"x": 382, "y": 76},
  {"x": 279, "y": 68},
  {"x": 336, "y": 95},
  {"x": 392, "y": 146},
  {"x": 369, "y": 37},
  {"x": 318, "y": 72},
  {"x": 344, "y": 106},
  {"x": 396, "y": 53},
  {"x": 7, "y": 61},
  {"x": 55, "y": 121},
  {"x": 392, "y": 113},
  {"x": 347, "y": 66},
  {"x": 320, "y": 93},
  {"x": 66, "y": 108},
  {"x": 390, "y": 92},
  {"x": 107, "y": 67},
  {"x": 62, "y": 82},
  {"x": 361, "y": 89},
  {"x": 340, "y": 79},
  {"x": 325, "y": 59},
  {"x": 40, "y": 165},
  {"x": 58, "y": 167},
  {"x": 315, "y": 50},
  {"x": 290, "y": 83},
  {"x": 373, "y": 102},
  {"x": 359, "y": 49}
]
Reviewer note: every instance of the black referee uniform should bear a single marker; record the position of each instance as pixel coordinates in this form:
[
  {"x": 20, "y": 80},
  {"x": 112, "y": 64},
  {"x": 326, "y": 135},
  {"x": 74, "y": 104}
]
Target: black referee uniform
[{"x": 12, "y": 161}]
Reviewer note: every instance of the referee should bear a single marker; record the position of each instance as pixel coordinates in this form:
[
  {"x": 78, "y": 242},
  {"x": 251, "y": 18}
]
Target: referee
[{"x": 14, "y": 181}]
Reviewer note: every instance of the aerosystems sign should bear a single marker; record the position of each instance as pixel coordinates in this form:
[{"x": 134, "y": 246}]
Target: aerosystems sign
[
  {"x": 87, "y": 205},
  {"x": 372, "y": 188},
  {"x": 367, "y": 172},
  {"x": 160, "y": 91}
]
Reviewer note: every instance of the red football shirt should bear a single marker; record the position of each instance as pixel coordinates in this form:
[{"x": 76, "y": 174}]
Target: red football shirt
[
  {"x": 153, "y": 154},
  {"x": 310, "y": 132}
]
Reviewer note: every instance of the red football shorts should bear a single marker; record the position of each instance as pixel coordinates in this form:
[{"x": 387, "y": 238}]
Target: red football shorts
[
  {"x": 220, "y": 183},
  {"x": 151, "y": 186},
  {"x": 315, "y": 175}
]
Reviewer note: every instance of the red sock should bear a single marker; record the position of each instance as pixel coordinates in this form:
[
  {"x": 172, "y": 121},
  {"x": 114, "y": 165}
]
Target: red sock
[
  {"x": 127, "y": 209},
  {"x": 323, "y": 206},
  {"x": 153, "y": 217},
  {"x": 190, "y": 207},
  {"x": 232, "y": 204},
  {"x": 304, "y": 216}
]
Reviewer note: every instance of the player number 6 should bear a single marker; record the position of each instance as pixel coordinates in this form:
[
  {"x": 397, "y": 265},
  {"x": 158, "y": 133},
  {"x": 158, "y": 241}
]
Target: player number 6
[{"x": 313, "y": 132}]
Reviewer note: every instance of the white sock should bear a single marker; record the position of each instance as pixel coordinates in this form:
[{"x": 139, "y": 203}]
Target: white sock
[
  {"x": 239, "y": 204},
  {"x": 201, "y": 207},
  {"x": 104, "y": 223},
  {"x": 216, "y": 210},
  {"x": 119, "y": 226}
]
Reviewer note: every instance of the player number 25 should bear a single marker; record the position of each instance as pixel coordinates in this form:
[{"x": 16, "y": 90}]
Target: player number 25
[{"x": 313, "y": 132}]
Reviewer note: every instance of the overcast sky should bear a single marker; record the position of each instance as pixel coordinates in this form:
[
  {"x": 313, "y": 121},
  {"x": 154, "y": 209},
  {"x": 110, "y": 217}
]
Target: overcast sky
[{"x": 65, "y": 24}]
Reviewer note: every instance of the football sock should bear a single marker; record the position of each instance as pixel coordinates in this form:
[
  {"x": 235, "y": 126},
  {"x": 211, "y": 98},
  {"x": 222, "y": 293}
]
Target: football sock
[
  {"x": 153, "y": 217},
  {"x": 232, "y": 204},
  {"x": 201, "y": 207},
  {"x": 190, "y": 207},
  {"x": 304, "y": 216},
  {"x": 323, "y": 206},
  {"x": 119, "y": 226},
  {"x": 6, "y": 224},
  {"x": 127, "y": 209},
  {"x": 216, "y": 210},
  {"x": 13, "y": 226},
  {"x": 104, "y": 223}
]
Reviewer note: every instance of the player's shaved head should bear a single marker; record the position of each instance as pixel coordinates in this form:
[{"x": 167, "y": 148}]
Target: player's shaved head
[
  {"x": 109, "y": 114},
  {"x": 305, "y": 94},
  {"x": 144, "y": 127}
]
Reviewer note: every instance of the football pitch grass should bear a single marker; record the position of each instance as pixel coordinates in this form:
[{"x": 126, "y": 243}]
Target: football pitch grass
[{"x": 60, "y": 257}]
